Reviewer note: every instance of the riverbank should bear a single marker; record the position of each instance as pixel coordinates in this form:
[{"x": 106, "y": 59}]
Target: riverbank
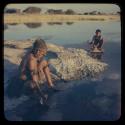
[{"x": 35, "y": 18}]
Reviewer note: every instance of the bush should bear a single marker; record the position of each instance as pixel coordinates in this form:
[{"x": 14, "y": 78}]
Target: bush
[{"x": 32, "y": 10}]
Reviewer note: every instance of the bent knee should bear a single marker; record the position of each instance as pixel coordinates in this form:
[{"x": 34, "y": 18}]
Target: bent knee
[{"x": 43, "y": 63}]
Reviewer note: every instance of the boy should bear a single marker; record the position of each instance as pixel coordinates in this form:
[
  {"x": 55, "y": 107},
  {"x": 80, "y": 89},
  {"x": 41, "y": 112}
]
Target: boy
[{"x": 97, "y": 40}]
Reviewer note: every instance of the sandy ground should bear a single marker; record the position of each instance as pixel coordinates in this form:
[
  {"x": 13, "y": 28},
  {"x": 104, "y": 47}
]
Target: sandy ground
[
  {"x": 27, "y": 18},
  {"x": 73, "y": 60}
]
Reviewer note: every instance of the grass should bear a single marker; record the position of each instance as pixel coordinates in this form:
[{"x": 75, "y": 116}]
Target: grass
[{"x": 28, "y": 18}]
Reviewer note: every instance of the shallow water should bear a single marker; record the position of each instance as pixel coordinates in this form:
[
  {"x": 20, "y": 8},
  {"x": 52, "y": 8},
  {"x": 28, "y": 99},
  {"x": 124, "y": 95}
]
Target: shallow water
[
  {"x": 96, "y": 99},
  {"x": 63, "y": 33}
]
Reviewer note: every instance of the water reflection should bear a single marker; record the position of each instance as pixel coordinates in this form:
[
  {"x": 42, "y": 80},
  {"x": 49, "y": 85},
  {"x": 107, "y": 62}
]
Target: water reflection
[
  {"x": 5, "y": 26},
  {"x": 54, "y": 23},
  {"x": 69, "y": 23},
  {"x": 13, "y": 24},
  {"x": 60, "y": 23},
  {"x": 33, "y": 25},
  {"x": 79, "y": 27}
]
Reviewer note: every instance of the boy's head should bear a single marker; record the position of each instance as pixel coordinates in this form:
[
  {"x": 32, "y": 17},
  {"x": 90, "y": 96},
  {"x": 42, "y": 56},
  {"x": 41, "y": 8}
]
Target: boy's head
[
  {"x": 98, "y": 32},
  {"x": 39, "y": 47}
]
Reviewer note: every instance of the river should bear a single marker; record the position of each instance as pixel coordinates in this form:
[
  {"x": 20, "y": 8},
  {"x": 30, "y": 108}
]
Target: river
[{"x": 84, "y": 100}]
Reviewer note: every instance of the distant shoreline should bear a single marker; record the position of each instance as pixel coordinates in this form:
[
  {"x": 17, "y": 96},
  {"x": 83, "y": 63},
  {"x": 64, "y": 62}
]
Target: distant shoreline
[{"x": 37, "y": 18}]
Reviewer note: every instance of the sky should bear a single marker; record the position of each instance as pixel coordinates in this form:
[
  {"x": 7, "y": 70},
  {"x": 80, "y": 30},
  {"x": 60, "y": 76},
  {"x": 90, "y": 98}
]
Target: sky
[{"x": 107, "y": 8}]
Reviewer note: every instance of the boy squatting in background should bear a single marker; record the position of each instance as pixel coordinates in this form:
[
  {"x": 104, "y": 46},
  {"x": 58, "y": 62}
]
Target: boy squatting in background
[{"x": 97, "y": 40}]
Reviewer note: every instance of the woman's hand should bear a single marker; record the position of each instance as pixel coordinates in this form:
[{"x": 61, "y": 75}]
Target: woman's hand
[
  {"x": 33, "y": 85},
  {"x": 23, "y": 77}
]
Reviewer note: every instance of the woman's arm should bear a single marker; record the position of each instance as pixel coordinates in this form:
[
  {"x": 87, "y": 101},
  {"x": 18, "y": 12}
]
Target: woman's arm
[
  {"x": 47, "y": 73},
  {"x": 48, "y": 76}
]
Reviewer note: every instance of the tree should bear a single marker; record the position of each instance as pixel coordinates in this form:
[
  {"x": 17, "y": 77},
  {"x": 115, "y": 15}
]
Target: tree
[
  {"x": 70, "y": 12},
  {"x": 86, "y": 13},
  {"x": 99, "y": 13},
  {"x": 118, "y": 12},
  {"x": 32, "y": 10},
  {"x": 93, "y": 13},
  {"x": 50, "y": 11},
  {"x": 11, "y": 10}
]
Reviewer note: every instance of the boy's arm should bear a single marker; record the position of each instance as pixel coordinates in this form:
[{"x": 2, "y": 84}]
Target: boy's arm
[
  {"x": 92, "y": 40},
  {"x": 102, "y": 40}
]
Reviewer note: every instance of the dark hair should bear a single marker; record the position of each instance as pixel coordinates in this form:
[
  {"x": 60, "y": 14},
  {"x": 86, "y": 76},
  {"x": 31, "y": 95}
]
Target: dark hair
[
  {"x": 38, "y": 44},
  {"x": 98, "y": 30}
]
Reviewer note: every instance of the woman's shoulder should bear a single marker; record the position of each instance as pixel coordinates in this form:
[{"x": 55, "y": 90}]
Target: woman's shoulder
[{"x": 31, "y": 57}]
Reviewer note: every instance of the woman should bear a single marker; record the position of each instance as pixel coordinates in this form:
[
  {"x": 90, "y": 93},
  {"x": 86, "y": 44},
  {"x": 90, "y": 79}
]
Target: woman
[{"x": 34, "y": 68}]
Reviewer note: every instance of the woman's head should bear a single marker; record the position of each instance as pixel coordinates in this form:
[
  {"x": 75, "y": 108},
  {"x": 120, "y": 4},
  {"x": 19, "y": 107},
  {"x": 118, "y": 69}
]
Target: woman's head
[{"x": 39, "y": 47}]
